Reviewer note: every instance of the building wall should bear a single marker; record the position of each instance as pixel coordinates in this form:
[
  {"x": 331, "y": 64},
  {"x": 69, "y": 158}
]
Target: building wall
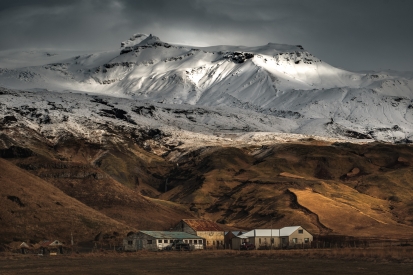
[
  {"x": 236, "y": 243},
  {"x": 228, "y": 239},
  {"x": 130, "y": 243},
  {"x": 142, "y": 241},
  {"x": 213, "y": 239},
  {"x": 264, "y": 242},
  {"x": 300, "y": 237}
]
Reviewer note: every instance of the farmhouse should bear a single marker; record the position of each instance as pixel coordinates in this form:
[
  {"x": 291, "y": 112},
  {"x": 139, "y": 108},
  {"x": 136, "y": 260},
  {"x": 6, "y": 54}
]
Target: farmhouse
[
  {"x": 208, "y": 230},
  {"x": 159, "y": 240},
  {"x": 274, "y": 238}
]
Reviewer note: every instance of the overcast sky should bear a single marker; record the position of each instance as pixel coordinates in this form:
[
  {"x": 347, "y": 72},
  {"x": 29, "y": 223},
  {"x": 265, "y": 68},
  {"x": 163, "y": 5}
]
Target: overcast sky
[{"x": 350, "y": 34}]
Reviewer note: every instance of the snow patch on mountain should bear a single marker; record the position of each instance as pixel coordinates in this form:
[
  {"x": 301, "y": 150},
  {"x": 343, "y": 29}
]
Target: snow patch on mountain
[{"x": 269, "y": 88}]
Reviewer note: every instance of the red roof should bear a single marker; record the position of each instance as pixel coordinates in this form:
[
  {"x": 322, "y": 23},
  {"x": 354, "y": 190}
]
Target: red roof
[{"x": 202, "y": 225}]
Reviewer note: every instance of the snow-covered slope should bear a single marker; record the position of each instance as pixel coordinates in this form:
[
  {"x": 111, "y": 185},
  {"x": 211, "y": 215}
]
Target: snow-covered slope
[{"x": 285, "y": 88}]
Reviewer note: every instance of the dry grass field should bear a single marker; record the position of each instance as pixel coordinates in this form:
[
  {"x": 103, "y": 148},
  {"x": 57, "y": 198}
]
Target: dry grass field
[{"x": 338, "y": 261}]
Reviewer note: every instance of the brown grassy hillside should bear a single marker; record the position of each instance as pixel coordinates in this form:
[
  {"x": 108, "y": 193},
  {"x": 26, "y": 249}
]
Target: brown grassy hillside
[
  {"x": 358, "y": 190},
  {"x": 33, "y": 209},
  {"x": 78, "y": 176}
]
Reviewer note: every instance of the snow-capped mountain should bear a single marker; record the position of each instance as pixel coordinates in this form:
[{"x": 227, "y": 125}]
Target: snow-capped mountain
[{"x": 270, "y": 88}]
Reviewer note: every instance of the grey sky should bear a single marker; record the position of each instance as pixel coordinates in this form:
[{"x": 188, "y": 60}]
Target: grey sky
[{"x": 351, "y": 34}]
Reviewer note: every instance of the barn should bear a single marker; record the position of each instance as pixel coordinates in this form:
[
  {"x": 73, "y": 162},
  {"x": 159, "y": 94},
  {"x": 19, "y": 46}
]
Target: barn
[
  {"x": 159, "y": 240},
  {"x": 208, "y": 230}
]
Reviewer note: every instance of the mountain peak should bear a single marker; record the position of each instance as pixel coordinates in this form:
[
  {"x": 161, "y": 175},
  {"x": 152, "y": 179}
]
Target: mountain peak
[{"x": 139, "y": 39}]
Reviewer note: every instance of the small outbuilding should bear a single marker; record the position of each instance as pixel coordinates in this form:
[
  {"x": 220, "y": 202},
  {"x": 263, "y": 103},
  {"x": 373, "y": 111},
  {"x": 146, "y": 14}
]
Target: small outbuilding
[
  {"x": 51, "y": 247},
  {"x": 159, "y": 240},
  {"x": 208, "y": 230},
  {"x": 289, "y": 236},
  {"x": 229, "y": 235},
  {"x": 25, "y": 248},
  {"x": 21, "y": 247}
]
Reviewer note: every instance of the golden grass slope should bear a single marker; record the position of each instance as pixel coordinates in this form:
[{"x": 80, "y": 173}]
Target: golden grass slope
[
  {"x": 357, "y": 190},
  {"x": 348, "y": 217},
  {"x": 31, "y": 208}
]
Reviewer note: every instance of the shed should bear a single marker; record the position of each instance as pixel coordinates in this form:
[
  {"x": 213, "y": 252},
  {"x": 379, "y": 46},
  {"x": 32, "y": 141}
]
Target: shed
[
  {"x": 229, "y": 235},
  {"x": 20, "y": 247},
  {"x": 25, "y": 248},
  {"x": 208, "y": 230},
  {"x": 51, "y": 247},
  {"x": 159, "y": 240},
  {"x": 289, "y": 236}
]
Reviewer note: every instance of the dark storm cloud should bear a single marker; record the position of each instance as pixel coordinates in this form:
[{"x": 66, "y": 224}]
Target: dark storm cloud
[{"x": 351, "y": 34}]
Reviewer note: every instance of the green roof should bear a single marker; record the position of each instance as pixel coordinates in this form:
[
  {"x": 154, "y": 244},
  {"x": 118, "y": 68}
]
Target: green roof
[{"x": 170, "y": 235}]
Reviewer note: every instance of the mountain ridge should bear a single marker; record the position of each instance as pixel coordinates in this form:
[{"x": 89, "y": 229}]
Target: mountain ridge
[{"x": 274, "y": 79}]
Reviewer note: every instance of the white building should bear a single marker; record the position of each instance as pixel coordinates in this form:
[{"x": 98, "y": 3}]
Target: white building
[{"x": 289, "y": 236}]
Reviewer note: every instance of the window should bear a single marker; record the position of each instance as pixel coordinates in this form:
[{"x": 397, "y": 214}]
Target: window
[
  {"x": 195, "y": 241},
  {"x": 200, "y": 242},
  {"x": 165, "y": 241},
  {"x": 294, "y": 240},
  {"x": 259, "y": 240},
  {"x": 159, "y": 241},
  {"x": 186, "y": 241},
  {"x": 149, "y": 241},
  {"x": 190, "y": 241},
  {"x": 213, "y": 242},
  {"x": 306, "y": 240},
  {"x": 300, "y": 231},
  {"x": 130, "y": 242},
  {"x": 272, "y": 240}
]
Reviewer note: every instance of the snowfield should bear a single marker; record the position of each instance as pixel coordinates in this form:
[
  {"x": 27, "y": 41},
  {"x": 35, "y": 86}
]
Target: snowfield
[{"x": 225, "y": 94}]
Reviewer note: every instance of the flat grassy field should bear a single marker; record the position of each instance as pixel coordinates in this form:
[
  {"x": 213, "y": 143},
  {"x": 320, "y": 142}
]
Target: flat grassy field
[{"x": 213, "y": 262}]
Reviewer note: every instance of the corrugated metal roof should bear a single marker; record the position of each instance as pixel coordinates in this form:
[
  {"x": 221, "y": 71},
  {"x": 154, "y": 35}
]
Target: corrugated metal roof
[
  {"x": 202, "y": 225},
  {"x": 283, "y": 232},
  {"x": 287, "y": 231},
  {"x": 236, "y": 233},
  {"x": 260, "y": 233},
  {"x": 169, "y": 235}
]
